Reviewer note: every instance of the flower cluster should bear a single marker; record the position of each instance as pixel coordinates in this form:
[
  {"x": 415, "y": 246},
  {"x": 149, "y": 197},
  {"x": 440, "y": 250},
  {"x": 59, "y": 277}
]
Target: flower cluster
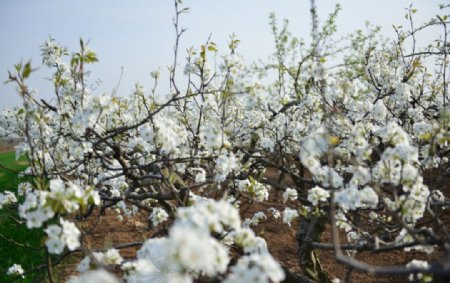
[
  {"x": 7, "y": 198},
  {"x": 158, "y": 216},
  {"x": 190, "y": 250},
  {"x": 254, "y": 189},
  {"x": 60, "y": 236},
  {"x": 290, "y": 194},
  {"x": 62, "y": 197},
  {"x": 317, "y": 194},
  {"x": 15, "y": 269}
]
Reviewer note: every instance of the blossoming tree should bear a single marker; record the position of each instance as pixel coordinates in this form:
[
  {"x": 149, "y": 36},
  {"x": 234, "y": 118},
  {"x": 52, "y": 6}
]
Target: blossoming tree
[{"x": 355, "y": 139}]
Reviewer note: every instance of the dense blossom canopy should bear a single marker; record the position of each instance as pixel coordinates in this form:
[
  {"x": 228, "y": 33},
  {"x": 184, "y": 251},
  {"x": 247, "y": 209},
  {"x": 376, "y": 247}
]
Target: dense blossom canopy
[{"x": 355, "y": 138}]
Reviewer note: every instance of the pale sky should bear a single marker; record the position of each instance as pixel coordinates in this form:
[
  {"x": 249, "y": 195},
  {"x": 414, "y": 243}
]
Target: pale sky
[{"x": 139, "y": 35}]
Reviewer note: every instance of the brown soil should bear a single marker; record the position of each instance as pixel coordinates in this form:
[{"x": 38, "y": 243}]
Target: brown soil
[
  {"x": 279, "y": 236},
  {"x": 7, "y": 145},
  {"x": 6, "y": 148},
  {"x": 105, "y": 232},
  {"x": 281, "y": 239},
  {"x": 435, "y": 179}
]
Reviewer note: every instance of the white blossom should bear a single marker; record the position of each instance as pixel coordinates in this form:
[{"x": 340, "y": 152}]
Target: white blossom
[
  {"x": 317, "y": 194},
  {"x": 158, "y": 216},
  {"x": 15, "y": 269},
  {"x": 290, "y": 194},
  {"x": 289, "y": 214}
]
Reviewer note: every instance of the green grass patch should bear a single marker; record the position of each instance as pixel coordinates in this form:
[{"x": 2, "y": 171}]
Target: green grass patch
[{"x": 14, "y": 228}]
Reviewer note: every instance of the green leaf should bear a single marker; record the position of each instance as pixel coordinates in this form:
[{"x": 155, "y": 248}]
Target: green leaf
[
  {"x": 74, "y": 61},
  {"x": 90, "y": 57},
  {"x": 18, "y": 66},
  {"x": 203, "y": 52},
  {"x": 165, "y": 172},
  {"x": 416, "y": 63},
  {"x": 234, "y": 43},
  {"x": 81, "y": 44},
  {"x": 26, "y": 70},
  {"x": 172, "y": 178},
  {"x": 212, "y": 47}
]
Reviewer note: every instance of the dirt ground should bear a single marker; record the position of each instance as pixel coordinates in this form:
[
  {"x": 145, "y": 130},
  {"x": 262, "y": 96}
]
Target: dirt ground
[
  {"x": 109, "y": 231},
  {"x": 6, "y": 147}
]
